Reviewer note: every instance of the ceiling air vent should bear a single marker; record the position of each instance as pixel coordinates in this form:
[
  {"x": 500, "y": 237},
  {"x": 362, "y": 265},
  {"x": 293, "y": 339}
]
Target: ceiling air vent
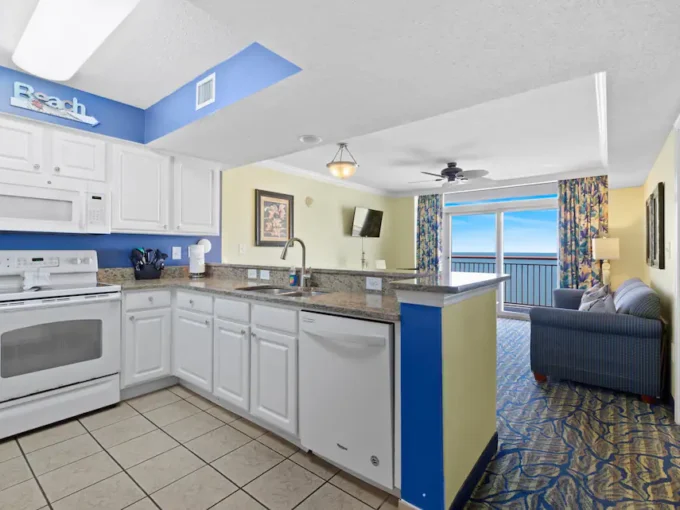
[{"x": 205, "y": 91}]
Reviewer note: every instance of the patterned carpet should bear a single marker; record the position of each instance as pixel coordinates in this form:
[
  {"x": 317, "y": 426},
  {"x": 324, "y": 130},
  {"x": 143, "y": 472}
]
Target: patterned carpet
[{"x": 565, "y": 445}]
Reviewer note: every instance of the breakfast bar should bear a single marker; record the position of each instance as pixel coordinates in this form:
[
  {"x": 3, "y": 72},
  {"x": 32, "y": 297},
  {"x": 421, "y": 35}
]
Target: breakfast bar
[{"x": 448, "y": 386}]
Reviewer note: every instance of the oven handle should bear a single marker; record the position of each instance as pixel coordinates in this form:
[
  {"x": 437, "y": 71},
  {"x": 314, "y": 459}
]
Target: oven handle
[{"x": 54, "y": 302}]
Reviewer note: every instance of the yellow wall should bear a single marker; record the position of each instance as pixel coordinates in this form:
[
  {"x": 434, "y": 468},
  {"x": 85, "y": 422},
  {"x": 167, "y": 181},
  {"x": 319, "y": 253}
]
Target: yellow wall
[
  {"x": 468, "y": 385},
  {"x": 663, "y": 280},
  {"x": 323, "y": 226},
  {"x": 627, "y": 223}
]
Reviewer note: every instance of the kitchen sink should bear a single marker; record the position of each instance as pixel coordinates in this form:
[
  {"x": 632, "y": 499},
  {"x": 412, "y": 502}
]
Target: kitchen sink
[{"x": 282, "y": 291}]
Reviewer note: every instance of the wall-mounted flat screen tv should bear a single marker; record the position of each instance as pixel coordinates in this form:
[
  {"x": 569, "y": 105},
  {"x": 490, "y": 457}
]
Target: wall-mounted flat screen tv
[{"x": 367, "y": 222}]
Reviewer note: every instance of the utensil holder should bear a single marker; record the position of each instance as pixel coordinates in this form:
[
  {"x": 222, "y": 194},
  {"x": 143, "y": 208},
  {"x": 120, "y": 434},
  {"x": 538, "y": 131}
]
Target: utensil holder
[{"x": 147, "y": 273}]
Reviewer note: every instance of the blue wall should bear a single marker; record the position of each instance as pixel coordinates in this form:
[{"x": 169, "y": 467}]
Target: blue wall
[
  {"x": 115, "y": 119},
  {"x": 113, "y": 250},
  {"x": 422, "y": 418},
  {"x": 249, "y": 71}
]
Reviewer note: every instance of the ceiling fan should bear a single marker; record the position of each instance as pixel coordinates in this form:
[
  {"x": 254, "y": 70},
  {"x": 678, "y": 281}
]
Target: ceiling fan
[{"x": 454, "y": 174}]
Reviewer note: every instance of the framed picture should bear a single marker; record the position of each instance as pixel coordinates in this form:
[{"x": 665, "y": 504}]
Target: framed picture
[
  {"x": 273, "y": 218},
  {"x": 655, "y": 228}
]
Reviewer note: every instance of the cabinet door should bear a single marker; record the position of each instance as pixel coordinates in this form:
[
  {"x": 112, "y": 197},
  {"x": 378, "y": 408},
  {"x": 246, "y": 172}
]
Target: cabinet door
[
  {"x": 192, "y": 353},
  {"x": 80, "y": 157},
  {"x": 196, "y": 206},
  {"x": 232, "y": 363},
  {"x": 146, "y": 347},
  {"x": 140, "y": 190},
  {"x": 273, "y": 381},
  {"x": 21, "y": 146}
]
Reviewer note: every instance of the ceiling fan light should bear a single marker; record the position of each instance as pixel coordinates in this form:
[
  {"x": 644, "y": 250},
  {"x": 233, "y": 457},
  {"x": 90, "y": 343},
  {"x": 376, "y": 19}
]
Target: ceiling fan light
[{"x": 342, "y": 169}]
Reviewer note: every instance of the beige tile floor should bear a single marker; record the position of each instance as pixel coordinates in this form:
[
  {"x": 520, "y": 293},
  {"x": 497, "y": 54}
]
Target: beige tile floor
[{"x": 171, "y": 450}]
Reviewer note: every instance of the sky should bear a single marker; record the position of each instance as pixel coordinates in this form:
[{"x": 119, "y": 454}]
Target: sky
[{"x": 524, "y": 232}]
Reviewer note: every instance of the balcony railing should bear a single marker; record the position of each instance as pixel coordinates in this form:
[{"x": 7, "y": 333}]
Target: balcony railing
[{"x": 533, "y": 278}]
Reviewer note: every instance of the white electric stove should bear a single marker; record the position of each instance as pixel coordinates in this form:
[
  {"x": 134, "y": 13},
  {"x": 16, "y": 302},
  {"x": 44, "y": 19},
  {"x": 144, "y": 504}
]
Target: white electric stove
[{"x": 59, "y": 338}]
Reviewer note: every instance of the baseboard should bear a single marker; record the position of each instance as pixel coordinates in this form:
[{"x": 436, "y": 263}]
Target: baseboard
[
  {"x": 144, "y": 388},
  {"x": 475, "y": 475}
]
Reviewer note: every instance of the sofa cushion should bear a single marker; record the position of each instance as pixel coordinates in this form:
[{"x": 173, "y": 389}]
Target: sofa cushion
[{"x": 634, "y": 297}]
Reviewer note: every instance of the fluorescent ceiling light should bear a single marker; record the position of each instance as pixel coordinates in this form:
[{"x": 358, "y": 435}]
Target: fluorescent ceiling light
[{"x": 62, "y": 34}]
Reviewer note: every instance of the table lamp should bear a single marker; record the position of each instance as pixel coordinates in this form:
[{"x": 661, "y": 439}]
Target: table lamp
[{"x": 605, "y": 249}]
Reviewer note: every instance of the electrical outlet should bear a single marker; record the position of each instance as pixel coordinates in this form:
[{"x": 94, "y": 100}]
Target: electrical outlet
[
  {"x": 264, "y": 274},
  {"x": 241, "y": 249},
  {"x": 373, "y": 283},
  {"x": 176, "y": 252},
  {"x": 252, "y": 274}
]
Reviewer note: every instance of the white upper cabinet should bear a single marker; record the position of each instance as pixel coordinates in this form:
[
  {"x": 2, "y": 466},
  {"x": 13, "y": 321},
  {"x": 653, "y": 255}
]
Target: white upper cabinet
[
  {"x": 196, "y": 207},
  {"x": 140, "y": 190},
  {"x": 79, "y": 157},
  {"x": 21, "y": 146}
]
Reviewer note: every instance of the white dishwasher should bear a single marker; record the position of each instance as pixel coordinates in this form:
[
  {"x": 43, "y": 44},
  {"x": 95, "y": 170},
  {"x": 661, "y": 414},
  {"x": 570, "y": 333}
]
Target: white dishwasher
[{"x": 346, "y": 408}]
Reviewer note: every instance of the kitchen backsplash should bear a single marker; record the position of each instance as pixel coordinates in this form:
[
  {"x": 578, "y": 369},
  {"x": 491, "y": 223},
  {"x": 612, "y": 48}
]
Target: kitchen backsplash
[{"x": 113, "y": 250}]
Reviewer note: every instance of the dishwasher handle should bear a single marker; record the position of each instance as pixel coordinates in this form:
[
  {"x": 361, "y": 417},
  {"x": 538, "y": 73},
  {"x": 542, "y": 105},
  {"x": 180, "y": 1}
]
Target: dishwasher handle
[{"x": 364, "y": 340}]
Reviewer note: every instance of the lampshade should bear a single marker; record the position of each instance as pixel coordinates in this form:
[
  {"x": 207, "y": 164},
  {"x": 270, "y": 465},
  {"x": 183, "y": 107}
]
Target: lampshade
[
  {"x": 605, "y": 248},
  {"x": 341, "y": 168}
]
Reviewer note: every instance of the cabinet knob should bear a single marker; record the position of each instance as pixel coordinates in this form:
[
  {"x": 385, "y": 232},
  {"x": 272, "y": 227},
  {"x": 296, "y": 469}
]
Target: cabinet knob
[
  {"x": 191, "y": 302},
  {"x": 57, "y": 169},
  {"x": 177, "y": 227},
  {"x": 243, "y": 331},
  {"x": 151, "y": 299},
  {"x": 253, "y": 335},
  {"x": 207, "y": 323},
  {"x": 36, "y": 167},
  {"x": 132, "y": 317},
  {"x": 49, "y": 182},
  {"x": 165, "y": 227}
]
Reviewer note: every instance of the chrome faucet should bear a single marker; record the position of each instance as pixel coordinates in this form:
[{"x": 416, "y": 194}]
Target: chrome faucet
[{"x": 304, "y": 277}]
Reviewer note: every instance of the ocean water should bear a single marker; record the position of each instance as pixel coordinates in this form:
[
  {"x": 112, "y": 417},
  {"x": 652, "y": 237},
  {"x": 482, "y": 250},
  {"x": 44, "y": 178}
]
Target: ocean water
[{"x": 533, "y": 276}]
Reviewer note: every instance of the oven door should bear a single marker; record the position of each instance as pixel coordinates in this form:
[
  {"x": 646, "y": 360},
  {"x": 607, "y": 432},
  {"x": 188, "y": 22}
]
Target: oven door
[{"x": 64, "y": 341}]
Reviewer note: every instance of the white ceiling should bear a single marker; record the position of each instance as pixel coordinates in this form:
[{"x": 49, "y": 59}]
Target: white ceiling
[
  {"x": 544, "y": 131},
  {"x": 369, "y": 66}
]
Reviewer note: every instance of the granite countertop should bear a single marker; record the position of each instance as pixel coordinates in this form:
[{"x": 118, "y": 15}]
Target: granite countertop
[
  {"x": 450, "y": 283},
  {"x": 355, "y": 304}
]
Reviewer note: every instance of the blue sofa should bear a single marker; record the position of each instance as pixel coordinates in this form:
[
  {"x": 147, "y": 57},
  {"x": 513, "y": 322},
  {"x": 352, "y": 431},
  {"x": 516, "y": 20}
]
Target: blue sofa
[{"x": 624, "y": 351}]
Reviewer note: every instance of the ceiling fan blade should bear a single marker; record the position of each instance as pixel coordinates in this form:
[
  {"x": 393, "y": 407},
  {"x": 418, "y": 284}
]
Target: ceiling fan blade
[
  {"x": 430, "y": 173},
  {"x": 475, "y": 174},
  {"x": 428, "y": 180}
]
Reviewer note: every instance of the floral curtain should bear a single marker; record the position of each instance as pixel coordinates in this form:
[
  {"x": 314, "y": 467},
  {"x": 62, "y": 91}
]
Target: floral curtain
[
  {"x": 429, "y": 238},
  {"x": 583, "y": 215}
]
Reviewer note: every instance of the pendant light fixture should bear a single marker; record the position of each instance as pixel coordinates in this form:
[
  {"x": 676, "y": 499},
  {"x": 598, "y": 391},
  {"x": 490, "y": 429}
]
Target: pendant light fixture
[{"x": 342, "y": 168}]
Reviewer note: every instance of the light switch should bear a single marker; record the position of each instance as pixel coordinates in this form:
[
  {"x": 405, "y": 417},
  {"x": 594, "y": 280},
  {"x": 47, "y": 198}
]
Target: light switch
[
  {"x": 264, "y": 274},
  {"x": 373, "y": 283},
  {"x": 241, "y": 249},
  {"x": 176, "y": 252},
  {"x": 252, "y": 274},
  {"x": 668, "y": 250}
]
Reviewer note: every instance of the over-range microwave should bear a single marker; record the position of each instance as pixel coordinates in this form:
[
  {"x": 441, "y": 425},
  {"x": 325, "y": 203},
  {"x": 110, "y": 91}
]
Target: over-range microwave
[{"x": 38, "y": 209}]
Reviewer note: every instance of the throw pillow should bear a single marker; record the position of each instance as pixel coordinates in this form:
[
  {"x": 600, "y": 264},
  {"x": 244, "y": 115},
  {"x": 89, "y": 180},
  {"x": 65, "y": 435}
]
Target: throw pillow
[
  {"x": 604, "y": 304},
  {"x": 596, "y": 292}
]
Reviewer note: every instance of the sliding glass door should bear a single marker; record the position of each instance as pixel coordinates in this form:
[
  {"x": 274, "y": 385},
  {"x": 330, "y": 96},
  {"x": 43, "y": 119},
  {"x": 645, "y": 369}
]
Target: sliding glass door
[{"x": 519, "y": 237}]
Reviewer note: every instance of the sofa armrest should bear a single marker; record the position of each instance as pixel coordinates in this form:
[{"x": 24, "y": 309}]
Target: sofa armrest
[
  {"x": 567, "y": 298},
  {"x": 601, "y": 323}
]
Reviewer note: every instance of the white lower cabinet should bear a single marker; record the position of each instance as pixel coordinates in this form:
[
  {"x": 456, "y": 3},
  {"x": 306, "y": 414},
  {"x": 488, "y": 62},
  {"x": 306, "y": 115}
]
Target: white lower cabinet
[
  {"x": 192, "y": 348},
  {"x": 147, "y": 346},
  {"x": 231, "y": 363},
  {"x": 273, "y": 378}
]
